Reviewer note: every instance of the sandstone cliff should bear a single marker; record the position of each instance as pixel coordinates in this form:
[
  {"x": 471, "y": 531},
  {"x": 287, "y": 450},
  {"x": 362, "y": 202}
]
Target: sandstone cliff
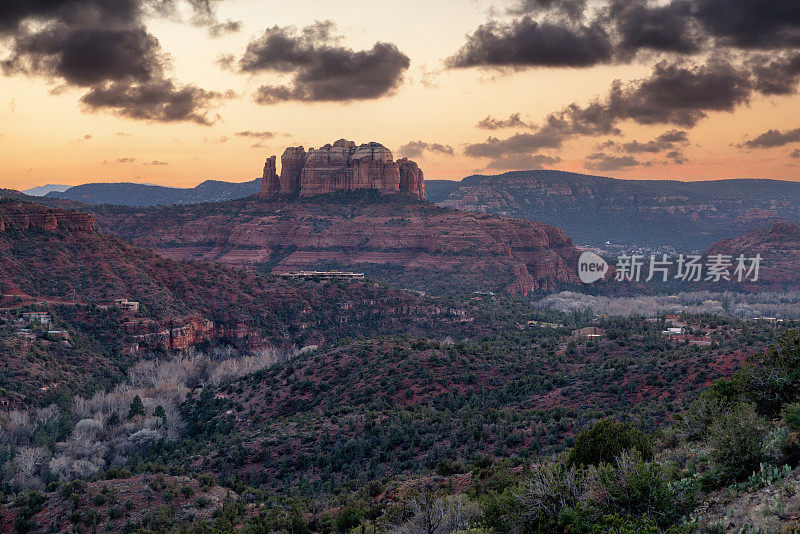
[
  {"x": 22, "y": 216},
  {"x": 342, "y": 166},
  {"x": 779, "y": 246},
  {"x": 413, "y": 245}
]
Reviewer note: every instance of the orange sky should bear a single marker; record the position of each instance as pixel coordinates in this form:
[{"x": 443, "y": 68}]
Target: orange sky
[{"x": 45, "y": 136}]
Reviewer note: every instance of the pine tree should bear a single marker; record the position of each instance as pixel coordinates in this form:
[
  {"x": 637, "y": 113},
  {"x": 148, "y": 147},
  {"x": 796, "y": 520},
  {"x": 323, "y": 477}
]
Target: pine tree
[
  {"x": 160, "y": 412},
  {"x": 137, "y": 407}
]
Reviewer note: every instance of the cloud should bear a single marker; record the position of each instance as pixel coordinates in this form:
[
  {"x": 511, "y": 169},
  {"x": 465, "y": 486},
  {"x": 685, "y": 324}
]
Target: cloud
[
  {"x": 670, "y": 142},
  {"x": 86, "y": 56},
  {"x": 640, "y": 25},
  {"x": 122, "y": 134},
  {"x": 773, "y": 138},
  {"x": 676, "y": 92},
  {"x": 571, "y": 9},
  {"x": 157, "y": 163},
  {"x": 677, "y": 157},
  {"x": 119, "y": 161},
  {"x": 564, "y": 33},
  {"x": 600, "y": 161},
  {"x": 104, "y": 47},
  {"x": 750, "y": 24},
  {"x": 224, "y": 28},
  {"x": 513, "y": 121},
  {"x": 416, "y": 149},
  {"x": 527, "y": 42},
  {"x": 795, "y": 153},
  {"x": 159, "y": 100},
  {"x": 523, "y": 162},
  {"x": 322, "y": 70},
  {"x": 256, "y": 135},
  {"x": 666, "y": 141}
]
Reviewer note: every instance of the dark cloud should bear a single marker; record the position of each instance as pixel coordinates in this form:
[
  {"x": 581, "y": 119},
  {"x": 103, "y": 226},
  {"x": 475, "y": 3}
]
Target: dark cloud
[
  {"x": 640, "y": 25},
  {"x": 86, "y": 56},
  {"x": 676, "y": 93},
  {"x": 104, "y": 46},
  {"x": 750, "y": 24},
  {"x": 256, "y": 135},
  {"x": 523, "y": 162},
  {"x": 600, "y": 161},
  {"x": 416, "y": 149},
  {"x": 159, "y": 100},
  {"x": 521, "y": 143},
  {"x": 527, "y": 42},
  {"x": 795, "y": 153},
  {"x": 513, "y": 121},
  {"x": 571, "y": 9},
  {"x": 223, "y": 28},
  {"x": 322, "y": 69},
  {"x": 773, "y": 138},
  {"x": 666, "y": 141},
  {"x": 677, "y": 157},
  {"x": 681, "y": 93},
  {"x": 563, "y": 33},
  {"x": 776, "y": 74}
]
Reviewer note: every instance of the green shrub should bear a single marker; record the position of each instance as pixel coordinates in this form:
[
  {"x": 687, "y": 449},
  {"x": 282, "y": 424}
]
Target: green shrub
[
  {"x": 634, "y": 487},
  {"x": 605, "y": 441},
  {"x": 791, "y": 416},
  {"x": 736, "y": 443}
]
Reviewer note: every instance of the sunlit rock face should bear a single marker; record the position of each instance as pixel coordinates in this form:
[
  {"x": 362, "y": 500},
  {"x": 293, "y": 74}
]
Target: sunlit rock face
[{"x": 342, "y": 166}]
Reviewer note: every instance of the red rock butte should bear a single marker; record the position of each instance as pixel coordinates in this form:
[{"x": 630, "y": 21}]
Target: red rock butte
[{"x": 342, "y": 166}]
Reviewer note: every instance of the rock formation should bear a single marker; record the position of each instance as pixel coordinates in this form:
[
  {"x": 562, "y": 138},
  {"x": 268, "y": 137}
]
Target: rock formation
[
  {"x": 292, "y": 163},
  {"x": 22, "y": 216},
  {"x": 411, "y": 177},
  {"x": 343, "y": 166},
  {"x": 270, "y": 183},
  {"x": 414, "y": 245},
  {"x": 779, "y": 248}
]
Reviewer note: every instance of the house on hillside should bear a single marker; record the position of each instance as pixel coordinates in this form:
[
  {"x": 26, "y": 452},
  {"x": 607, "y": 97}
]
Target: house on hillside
[
  {"x": 673, "y": 331},
  {"x": 590, "y": 332},
  {"x": 126, "y": 305},
  {"x": 42, "y": 318}
]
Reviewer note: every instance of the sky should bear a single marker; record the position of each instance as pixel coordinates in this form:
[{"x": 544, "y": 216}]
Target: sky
[{"x": 175, "y": 92}]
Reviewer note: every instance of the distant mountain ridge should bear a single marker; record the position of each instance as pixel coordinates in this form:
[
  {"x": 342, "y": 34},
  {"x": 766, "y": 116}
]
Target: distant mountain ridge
[
  {"x": 141, "y": 195},
  {"x": 42, "y": 190},
  {"x": 595, "y": 209}
]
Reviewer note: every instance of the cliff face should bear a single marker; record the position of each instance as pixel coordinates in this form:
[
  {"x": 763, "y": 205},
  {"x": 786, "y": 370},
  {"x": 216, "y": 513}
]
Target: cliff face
[
  {"x": 414, "y": 245},
  {"x": 342, "y": 166},
  {"x": 595, "y": 209},
  {"x": 779, "y": 247},
  {"x": 411, "y": 177},
  {"x": 21, "y": 216},
  {"x": 270, "y": 183}
]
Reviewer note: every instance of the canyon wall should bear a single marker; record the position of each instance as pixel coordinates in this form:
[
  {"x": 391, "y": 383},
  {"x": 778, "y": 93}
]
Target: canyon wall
[
  {"x": 22, "y": 216},
  {"x": 342, "y": 166}
]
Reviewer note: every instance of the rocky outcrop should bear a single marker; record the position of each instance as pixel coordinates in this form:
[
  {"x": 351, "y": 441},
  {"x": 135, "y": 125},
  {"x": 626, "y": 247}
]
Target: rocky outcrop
[
  {"x": 270, "y": 183},
  {"x": 343, "y": 166},
  {"x": 779, "y": 247},
  {"x": 411, "y": 177},
  {"x": 292, "y": 163},
  {"x": 23, "y": 216}
]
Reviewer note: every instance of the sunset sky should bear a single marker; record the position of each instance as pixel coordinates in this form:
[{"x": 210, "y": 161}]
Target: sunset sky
[{"x": 174, "y": 93}]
